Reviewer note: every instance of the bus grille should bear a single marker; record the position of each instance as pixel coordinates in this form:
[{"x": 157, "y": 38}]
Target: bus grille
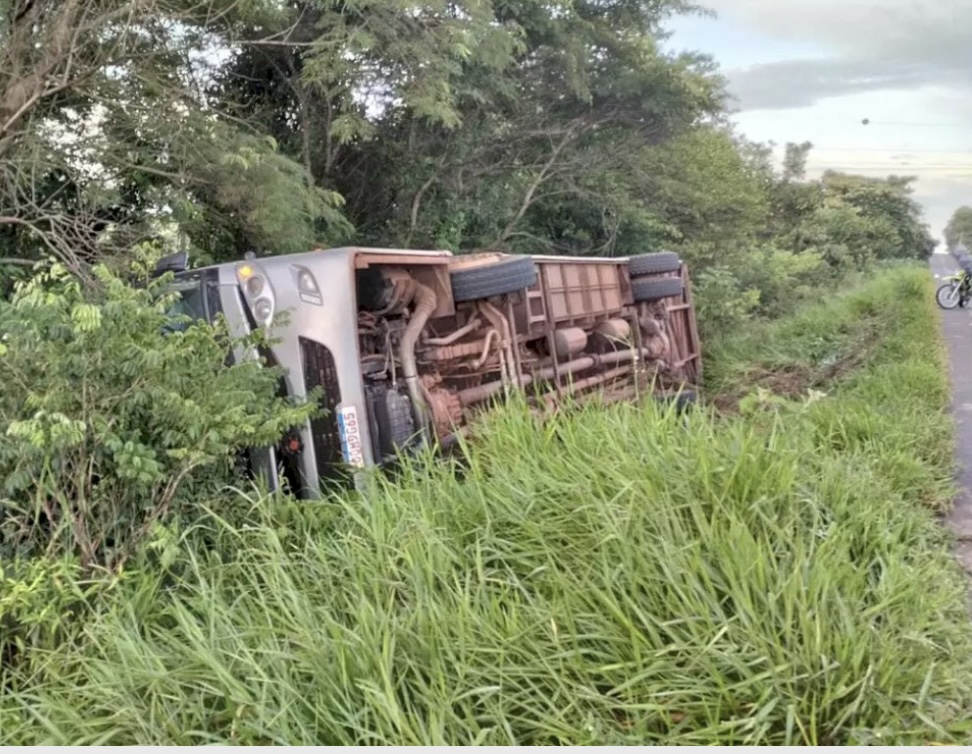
[{"x": 320, "y": 371}]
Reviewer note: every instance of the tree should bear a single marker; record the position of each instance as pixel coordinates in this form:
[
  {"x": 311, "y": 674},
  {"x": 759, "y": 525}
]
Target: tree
[
  {"x": 509, "y": 139},
  {"x": 227, "y": 126},
  {"x": 958, "y": 232},
  {"x": 103, "y": 126},
  {"x": 795, "y": 161},
  {"x": 895, "y": 229},
  {"x": 708, "y": 188}
]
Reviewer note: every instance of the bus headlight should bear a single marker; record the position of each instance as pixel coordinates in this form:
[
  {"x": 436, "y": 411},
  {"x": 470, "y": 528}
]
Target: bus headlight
[
  {"x": 257, "y": 291},
  {"x": 254, "y": 285},
  {"x": 262, "y": 310}
]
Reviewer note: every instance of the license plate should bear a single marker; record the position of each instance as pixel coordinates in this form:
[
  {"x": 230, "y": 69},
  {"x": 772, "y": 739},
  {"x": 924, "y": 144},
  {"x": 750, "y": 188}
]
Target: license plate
[{"x": 350, "y": 436}]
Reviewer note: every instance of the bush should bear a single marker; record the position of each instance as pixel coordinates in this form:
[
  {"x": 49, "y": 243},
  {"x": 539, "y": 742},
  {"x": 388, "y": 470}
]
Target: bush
[
  {"x": 722, "y": 304},
  {"x": 109, "y": 423},
  {"x": 761, "y": 282},
  {"x": 784, "y": 280}
]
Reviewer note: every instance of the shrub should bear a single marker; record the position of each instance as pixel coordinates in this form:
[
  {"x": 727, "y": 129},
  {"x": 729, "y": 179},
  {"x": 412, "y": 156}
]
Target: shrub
[
  {"x": 722, "y": 303},
  {"x": 760, "y": 282},
  {"x": 108, "y": 422}
]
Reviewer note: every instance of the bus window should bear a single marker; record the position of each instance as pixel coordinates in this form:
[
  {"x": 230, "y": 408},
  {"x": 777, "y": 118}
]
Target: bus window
[{"x": 190, "y": 303}]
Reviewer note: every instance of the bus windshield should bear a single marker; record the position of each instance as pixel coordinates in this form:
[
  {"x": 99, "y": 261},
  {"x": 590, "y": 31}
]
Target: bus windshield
[{"x": 190, "y": 303}]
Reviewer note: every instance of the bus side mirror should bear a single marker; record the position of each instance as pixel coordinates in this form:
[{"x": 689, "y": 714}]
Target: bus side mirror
[{"x": 178, "y": 262}]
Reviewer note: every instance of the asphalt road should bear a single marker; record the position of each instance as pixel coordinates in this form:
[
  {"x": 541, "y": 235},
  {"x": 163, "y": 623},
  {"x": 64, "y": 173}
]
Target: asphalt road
[{"x": 957, "y": 325}]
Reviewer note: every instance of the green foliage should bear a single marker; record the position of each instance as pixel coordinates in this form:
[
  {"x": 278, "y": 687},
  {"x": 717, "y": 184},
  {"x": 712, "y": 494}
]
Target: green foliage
[
  {"x": 764, "y": 281},
  {"x": 795, "y": 161},
  {"x": 108, "y": 423},
  {"x": 958, "y": 232},
  {"x": 816, "y": 233},
  {"x": 890, "y": 392},
  {"x": 41, "y": 601},
  {"x": 844, "y": 237},
  {"x": 722, "y": 303},
  {"x": 91, "y": 163},
  {"x": 645, "y": 597},
  {"x": 407, "y": 51},
  {"x": 509, "y": 115},
  {"x": 619, "y": 575},
  {"x": 893, "y": 219},
  {"x": 609, "y": 576},
  {"x": 704, "y": 186},
  {"x": 508, "y": 124},
  {"x": 255, "y": 198},
  {"x": 782, "y": 278}
]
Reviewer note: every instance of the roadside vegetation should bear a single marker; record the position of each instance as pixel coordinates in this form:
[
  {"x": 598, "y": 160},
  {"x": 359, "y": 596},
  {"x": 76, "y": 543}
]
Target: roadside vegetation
[
  {"x": 772, "y": 573},
  {"x": 577, "y": 128},
  {"x": 765, "y": 568}
]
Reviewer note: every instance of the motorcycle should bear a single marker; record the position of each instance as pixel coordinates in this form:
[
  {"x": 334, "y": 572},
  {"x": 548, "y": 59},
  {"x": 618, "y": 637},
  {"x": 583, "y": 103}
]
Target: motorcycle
[{"x": 955, "y": 291}]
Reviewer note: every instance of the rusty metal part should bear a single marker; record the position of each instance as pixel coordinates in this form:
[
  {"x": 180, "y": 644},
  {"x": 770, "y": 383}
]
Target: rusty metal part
[
  {"x": 618, "y": 330},
  {"x": 582, "y": 289},
  {"x": 488, "y": 390},
  {"x": 653, "y": 323},
  {"x": 682, "y": 362},
  {"x": 650, "y": 325},
  {"x": 453, "y": 438},
  {"x": 517, "y": 365},
  {"x": 490, "y": 337},
  {"x": 425, "y": 303},
  {"x": 575, "y": 387},
  {"x": 567, "y": 367},
  {"x": 658, "y": 347},
  {"x": 479, "y": 348},
  {"x": 585, "y": 363},
  {"x": 455, "y": 351},
  {"x": 445, "y": 406},
  {"x": 367, "y": 322},
  {"x": 569, "y": 341},
  {"x": 476, "y": 259},
  {"x": 404, "y": 288},
  {"x": 496, "y": 318},
  {"x": 614, "y": 328},
  {"x": 619, "y": 339},
  {"x": 391, "y": 358},
  {"x": 482, "y": 392},
  {"x": 656, "y": 309},
  {"x": 453, "y": 337}
]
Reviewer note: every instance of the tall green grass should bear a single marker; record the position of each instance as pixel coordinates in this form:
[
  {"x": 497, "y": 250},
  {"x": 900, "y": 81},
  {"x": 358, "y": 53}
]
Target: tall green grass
[
  {"x": 614, "y": 575},
  {"x": 877, "y": 351}
]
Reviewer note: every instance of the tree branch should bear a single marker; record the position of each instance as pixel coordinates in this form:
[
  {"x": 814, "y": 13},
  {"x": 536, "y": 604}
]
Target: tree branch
[{"x": 535, "y": 184}]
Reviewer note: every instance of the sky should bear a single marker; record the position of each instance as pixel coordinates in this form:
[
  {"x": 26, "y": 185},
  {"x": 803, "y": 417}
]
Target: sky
[{"x": 814, "y": 70}]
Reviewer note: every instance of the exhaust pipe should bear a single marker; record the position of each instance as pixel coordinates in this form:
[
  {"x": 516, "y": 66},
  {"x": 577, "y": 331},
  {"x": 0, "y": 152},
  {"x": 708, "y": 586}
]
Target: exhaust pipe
[{"x": 425, "y": 303}]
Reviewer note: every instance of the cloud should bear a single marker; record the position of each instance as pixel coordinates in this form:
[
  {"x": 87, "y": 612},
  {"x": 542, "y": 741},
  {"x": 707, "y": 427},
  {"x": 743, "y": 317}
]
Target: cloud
[
  {"x": 802, "y": 83},
  {"x": 867, "y": 46}
]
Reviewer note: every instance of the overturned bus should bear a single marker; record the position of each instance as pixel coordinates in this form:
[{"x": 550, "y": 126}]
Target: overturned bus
[{"x": 405, "y": 347}]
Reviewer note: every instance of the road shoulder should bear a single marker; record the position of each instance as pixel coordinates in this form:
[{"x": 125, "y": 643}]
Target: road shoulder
[{"x": 957, "y": 327}]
